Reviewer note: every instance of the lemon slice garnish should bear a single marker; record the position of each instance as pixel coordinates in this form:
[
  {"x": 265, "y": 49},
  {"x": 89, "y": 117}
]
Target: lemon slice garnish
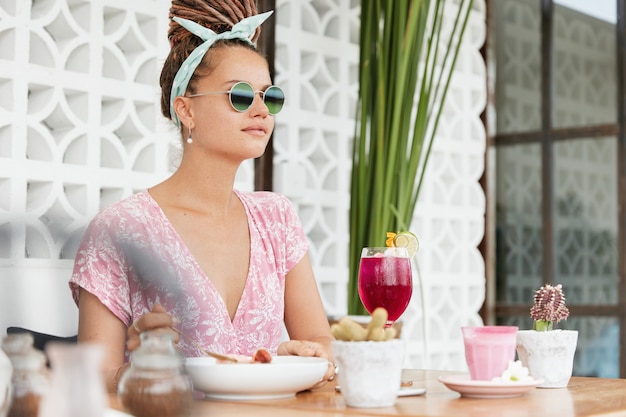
[{"x": 406, "y": 240}]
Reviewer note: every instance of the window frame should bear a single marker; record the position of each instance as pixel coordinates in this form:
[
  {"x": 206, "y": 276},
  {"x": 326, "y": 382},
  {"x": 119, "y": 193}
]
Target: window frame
[{"x": 548, "y": 137}]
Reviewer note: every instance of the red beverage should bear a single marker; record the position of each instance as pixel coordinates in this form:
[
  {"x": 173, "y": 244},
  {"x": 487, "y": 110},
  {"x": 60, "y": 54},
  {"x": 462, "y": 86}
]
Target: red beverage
[{"x": 385, "y": 281}]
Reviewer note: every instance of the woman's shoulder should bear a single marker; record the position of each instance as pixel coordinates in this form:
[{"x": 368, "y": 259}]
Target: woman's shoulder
[
  {"x": 264, "y": 201},
  {"x": 263, "y": 197},
  {"x": 138, "y": 205}
]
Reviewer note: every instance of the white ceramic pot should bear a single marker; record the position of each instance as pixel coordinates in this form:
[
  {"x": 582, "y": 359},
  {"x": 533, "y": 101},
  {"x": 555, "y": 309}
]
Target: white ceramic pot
[
  {"x": 548, "y": 355},
  {"x": 6, "y": 392},
  {"x": 370, "y": 372}
]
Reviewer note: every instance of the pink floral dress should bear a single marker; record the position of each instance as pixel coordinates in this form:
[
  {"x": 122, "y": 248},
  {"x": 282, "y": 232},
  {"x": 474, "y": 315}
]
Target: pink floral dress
[{"x": 131, "y": 258}]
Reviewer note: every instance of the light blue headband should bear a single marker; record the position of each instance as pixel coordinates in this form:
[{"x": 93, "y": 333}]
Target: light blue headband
[{"x": 242, "y": 30}]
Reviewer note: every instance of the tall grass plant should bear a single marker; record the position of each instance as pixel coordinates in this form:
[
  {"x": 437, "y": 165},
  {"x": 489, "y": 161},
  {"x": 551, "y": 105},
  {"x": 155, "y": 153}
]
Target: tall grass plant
[{"x": 408, "y": 51}]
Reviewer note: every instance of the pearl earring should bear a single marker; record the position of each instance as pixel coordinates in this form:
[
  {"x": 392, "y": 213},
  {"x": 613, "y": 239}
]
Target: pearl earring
[{"x": 189, "y": 138}]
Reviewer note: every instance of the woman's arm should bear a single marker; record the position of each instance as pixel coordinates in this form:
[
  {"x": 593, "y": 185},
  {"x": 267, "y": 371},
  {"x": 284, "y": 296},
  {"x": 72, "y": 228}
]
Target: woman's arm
[
  {"x": 97, "y": 324},
  {"x": 305, "y": 317}
]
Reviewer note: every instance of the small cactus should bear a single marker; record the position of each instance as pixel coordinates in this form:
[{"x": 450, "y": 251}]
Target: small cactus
[{"x": 549, "y": 307}]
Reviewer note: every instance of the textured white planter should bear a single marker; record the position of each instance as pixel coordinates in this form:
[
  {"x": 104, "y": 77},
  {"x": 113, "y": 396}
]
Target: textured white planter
[
  {"x": 548, "y": 355},
  {"x": 369, "y": 372}
]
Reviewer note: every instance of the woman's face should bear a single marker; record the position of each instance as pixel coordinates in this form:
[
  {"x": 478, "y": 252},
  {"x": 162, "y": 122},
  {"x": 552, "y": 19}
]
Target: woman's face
[{"x": 216, "y": 125}]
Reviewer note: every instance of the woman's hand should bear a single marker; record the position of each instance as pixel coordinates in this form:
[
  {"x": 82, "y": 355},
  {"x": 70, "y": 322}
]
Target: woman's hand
[
  {"x": 307, "y": 348},
  {"x": 157, "y": 319}
]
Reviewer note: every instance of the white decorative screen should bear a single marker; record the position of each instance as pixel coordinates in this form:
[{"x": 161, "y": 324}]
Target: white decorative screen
[
  {"x": 317, "y": 63},
  {"x": 80, "y": 128}
]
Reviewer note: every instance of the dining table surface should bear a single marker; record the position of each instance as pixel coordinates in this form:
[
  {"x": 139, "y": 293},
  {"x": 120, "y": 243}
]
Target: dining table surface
[{"x": 584, "y": 396}]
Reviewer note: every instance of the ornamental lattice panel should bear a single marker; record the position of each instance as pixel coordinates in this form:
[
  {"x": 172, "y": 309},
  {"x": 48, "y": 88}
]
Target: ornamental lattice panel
[
  {"x": 80, "y": 128},
  {"x": 317, "y": 62},
  {"x": 449, "y": 216}
]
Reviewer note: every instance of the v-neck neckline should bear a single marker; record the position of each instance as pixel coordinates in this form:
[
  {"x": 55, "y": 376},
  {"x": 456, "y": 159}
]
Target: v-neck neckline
[{"x": 201, "y": 274}]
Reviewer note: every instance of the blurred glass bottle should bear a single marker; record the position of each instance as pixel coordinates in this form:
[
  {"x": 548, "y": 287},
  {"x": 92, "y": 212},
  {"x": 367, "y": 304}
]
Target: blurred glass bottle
[
  {"x": 156, "y": 382},
  {"x": 31, "y": 379},
  {"x": 77, "y": 384},
  {"x": 6, "y": 389}
]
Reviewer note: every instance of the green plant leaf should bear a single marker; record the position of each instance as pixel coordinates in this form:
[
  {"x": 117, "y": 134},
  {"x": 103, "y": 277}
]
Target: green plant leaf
[
  {"x": 542, "y": 325},
  {"x": 406, "y": 61}
]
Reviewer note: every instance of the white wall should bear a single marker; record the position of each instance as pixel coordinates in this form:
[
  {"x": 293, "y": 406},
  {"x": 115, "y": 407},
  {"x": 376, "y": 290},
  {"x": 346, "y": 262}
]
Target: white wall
[
  {"x": 80, "y": 128},
  {"x": 317, "y": 59}
]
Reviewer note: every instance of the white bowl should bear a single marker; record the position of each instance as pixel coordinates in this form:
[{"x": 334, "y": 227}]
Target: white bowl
[{"x": 281, "y": 378}]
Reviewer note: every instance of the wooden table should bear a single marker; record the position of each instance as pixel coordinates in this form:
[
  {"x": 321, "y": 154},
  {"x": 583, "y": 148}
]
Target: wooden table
[{"x": 583, "y": 397}]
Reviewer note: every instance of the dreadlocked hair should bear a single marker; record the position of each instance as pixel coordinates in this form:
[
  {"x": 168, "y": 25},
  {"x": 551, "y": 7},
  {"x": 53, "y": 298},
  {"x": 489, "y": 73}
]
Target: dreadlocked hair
[{"x": 217, "y": 15}]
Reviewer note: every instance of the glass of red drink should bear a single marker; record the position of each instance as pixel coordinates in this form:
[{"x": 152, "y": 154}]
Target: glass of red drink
[{"x": 385, "y": 280}]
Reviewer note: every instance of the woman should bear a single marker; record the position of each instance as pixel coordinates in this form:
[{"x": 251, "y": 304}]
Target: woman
[{"x": 225, "y": 268}]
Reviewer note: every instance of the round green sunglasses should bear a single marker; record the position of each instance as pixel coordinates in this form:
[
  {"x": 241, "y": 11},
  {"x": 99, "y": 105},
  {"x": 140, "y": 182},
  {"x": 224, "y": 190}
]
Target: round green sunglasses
[{"x": 241, "y": 96}]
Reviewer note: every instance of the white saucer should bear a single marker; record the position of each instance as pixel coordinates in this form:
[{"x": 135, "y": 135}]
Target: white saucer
[
  {"x": 404, "y": 391},
  {"x": 487, "y": 389}
]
